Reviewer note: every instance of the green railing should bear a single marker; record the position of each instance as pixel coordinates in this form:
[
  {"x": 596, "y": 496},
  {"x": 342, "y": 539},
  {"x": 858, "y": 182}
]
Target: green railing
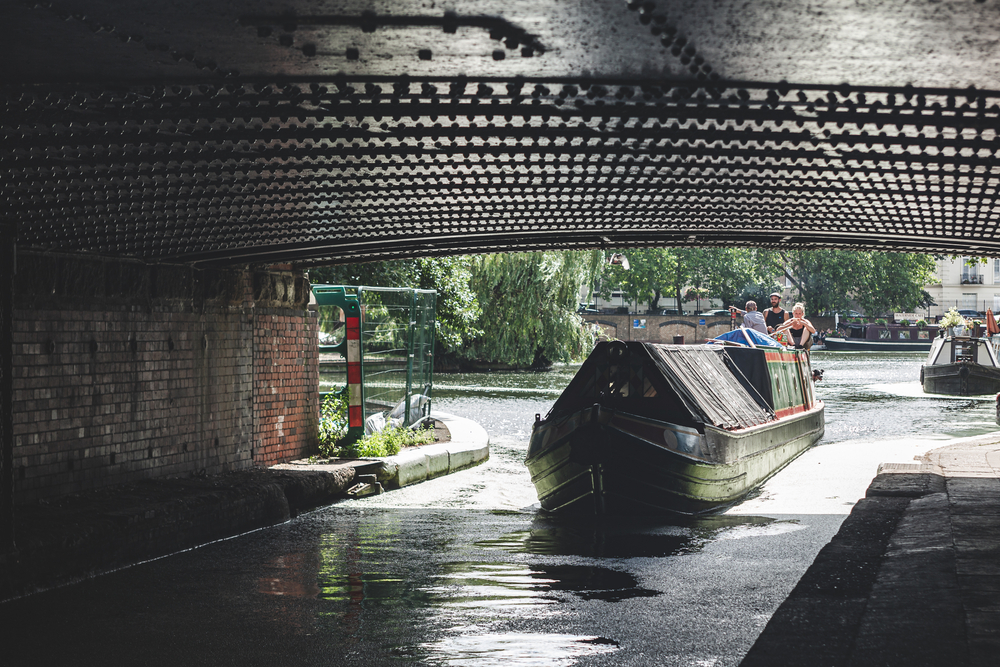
[{"x": 396, "y": 349}]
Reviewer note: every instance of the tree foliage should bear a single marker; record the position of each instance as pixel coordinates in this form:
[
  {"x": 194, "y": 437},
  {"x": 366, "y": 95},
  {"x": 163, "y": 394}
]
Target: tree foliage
[
  {"x": 693, "y": 274},
  {"x": 458, "y": 311},
  {"x": 645, "y": 279},
  {"x": 529, "y": 303},
  {"x": 879, "y": 282},
  {"x": 517, "y": 309},
  {"x": 738, "y": 275}
]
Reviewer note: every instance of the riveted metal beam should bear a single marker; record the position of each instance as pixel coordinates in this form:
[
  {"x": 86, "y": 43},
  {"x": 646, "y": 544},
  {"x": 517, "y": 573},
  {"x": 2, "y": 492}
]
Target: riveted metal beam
[{"x": 356, "y": 168}]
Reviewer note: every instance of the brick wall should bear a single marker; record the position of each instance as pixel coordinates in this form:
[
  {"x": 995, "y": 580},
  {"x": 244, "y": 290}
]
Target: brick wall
[
  {"x": 125, "y": 372},
  {"x": 286, "y": 382}
]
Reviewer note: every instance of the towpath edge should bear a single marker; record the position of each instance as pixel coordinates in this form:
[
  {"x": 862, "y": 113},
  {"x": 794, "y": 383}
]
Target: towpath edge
[
  {"x": 84, "y": 535},
  {"x": 911, "y": 578}
]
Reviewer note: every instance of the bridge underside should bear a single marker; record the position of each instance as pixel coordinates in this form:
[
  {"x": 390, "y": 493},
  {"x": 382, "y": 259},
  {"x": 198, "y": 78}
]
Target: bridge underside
[{"x": 258, "y": 132}]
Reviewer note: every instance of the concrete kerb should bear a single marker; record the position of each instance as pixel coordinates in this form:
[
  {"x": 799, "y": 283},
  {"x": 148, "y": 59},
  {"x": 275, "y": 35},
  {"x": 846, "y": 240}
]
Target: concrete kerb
[{"x": 469, "y": 446}]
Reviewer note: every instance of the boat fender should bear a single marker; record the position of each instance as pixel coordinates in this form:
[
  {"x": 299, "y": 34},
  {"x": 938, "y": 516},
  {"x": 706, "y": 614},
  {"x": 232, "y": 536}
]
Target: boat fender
[
  {"x": 617, "y": 350},
  {"x": 963, "y": 372}
]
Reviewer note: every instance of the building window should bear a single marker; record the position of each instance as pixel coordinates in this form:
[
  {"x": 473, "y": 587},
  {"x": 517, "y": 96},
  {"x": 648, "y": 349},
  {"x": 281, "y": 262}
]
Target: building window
[
  {"x": 996, "y": 271},
  {"x": 970, "y": 272},
  {"x": 996, "y": 303},
  {"x": 968, "y": 301}
]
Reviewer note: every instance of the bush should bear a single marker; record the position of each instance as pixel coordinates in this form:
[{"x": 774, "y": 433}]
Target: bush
[
  {"x": 391, "y": 439},
  {"x": 904, "y": 323},
  {"x": 333, "y": 429},
  {"x": 921, "y": 323},
  {"x": 332, "y": 424}
]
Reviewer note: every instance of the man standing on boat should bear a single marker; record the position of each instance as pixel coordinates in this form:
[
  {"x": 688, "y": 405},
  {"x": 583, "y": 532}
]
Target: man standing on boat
[
  {"x": 776, "y": 315},
  {"x": 752, "y": 318}
]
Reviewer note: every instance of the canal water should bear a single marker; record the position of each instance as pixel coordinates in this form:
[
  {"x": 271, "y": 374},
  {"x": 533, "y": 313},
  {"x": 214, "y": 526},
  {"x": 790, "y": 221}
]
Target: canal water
[{"x": 465, "y": 569}]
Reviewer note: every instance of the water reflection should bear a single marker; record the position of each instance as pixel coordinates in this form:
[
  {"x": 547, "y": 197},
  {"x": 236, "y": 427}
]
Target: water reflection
[
  {"x": 514, "y": 587},
  {"x": 520, "y": 649},
  {"x": 623, "y": 538}
]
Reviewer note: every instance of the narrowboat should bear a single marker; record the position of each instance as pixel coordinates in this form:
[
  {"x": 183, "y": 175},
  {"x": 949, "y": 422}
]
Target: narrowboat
[
  {"x": 646, "y": 428},
  {"x": 881, "y": 338},
  {"x": 961, "y": 366}
]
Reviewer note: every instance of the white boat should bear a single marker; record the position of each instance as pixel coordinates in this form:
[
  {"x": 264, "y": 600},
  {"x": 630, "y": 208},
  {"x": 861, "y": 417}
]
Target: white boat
[{"x": 962, "y": 366}]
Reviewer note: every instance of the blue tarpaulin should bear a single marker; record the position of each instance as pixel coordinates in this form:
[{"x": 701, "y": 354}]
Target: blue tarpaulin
[{"x": 740, "y": 336}]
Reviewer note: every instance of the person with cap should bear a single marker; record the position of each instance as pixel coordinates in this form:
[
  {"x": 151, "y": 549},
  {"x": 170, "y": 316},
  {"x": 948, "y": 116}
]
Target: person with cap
[
  {"x": 752, "y": 318},
  {"x": 776, "y": 315}
]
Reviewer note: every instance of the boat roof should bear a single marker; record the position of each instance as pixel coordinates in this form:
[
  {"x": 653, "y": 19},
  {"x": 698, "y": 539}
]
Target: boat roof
[
  {"x": 744, "y": 336},
  {"x": 700, "y": 379}
]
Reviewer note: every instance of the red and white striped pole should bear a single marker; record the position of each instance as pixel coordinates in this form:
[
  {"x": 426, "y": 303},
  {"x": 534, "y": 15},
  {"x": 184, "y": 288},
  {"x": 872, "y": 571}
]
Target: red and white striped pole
[{"x": 355, "y": 408}]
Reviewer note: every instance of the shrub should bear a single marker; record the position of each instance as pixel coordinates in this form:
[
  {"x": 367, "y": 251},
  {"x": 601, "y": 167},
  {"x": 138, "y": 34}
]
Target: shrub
[
  {"x": 881, "y": 322},
  {"x": 333, "y": 429},
  {"x": 904, "y": 323},
  {"x": 391, "y": 439},
  {"x": 332, "y": 424},
  {"x": 921, "y": 323}
]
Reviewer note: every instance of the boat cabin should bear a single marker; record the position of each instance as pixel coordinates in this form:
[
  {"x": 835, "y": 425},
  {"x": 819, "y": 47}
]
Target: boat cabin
[
  {"x": 963, "y": 349},
  {"x": 729, "y": 387}
]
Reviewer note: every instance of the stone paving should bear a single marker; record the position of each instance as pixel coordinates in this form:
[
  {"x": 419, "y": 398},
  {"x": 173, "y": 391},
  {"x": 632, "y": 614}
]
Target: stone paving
[{"x": 911, "y": 578}]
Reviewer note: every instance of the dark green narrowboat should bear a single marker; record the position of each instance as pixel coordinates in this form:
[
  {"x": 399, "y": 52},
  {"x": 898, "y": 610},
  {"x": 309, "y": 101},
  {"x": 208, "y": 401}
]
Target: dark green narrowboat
[{"x": 646, "y": 428}]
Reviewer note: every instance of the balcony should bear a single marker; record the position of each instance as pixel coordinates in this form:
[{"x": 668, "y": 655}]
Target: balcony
[{"x": 972, "y": 280}]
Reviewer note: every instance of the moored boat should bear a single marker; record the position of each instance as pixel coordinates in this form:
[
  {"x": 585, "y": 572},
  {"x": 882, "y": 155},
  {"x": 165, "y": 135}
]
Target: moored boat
[
  {"x": 881, "y": 338},
  {"x": 961, "y": 366},
  {"x": 651, "y": 428}
]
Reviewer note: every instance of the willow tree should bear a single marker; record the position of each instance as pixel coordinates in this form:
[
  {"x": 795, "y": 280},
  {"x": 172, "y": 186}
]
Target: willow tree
[{"x": 529, "y": 303}]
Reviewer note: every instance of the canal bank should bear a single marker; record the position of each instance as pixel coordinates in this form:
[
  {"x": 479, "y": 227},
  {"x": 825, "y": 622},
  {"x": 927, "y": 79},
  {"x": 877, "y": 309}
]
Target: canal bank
[
  {"x": 911, "y": 578},
  {"x": 84, "y": 535}
]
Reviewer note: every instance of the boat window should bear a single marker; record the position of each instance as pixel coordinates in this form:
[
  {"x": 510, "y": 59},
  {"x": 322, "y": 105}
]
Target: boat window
[
  {"x": 883, "y": 334},
  {"x": 963, "y": 350},
  {"x": 904, "y": 335},
  {"x": 924, "y": 335}
]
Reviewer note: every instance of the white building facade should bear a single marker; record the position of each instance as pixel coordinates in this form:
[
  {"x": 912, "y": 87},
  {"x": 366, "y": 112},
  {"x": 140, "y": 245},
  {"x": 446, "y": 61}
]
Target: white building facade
[{"x": 965, "y": 286}]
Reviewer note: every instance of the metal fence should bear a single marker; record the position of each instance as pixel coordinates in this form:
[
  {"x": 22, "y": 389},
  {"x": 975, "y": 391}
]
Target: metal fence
[{"x": 396, "y": 349}]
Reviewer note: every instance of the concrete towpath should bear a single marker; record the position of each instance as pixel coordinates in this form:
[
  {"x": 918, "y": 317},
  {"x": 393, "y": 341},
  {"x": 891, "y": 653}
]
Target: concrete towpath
[
  {"x": 466, "y": 444},
  {"x": 912, "y": 577},
  {"x": 82, "y": 535}
]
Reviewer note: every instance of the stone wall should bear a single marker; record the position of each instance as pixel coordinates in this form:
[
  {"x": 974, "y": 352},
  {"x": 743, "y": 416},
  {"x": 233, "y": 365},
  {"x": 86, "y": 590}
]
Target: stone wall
[
  {"x": 125, "y": 372},
  {"x": 663, "y": 328},
  {"x": 660, "y": 328}
]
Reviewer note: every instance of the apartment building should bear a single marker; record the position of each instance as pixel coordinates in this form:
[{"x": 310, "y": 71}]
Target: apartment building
[{"x": 965, "y": 286}]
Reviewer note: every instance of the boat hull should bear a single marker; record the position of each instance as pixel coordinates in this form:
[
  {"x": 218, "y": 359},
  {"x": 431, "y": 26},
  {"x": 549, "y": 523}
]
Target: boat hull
[
  {"x": 836, "y": 344},
  {"x": 960, "y": 379},
  {"x": 603, "y": 462}
]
